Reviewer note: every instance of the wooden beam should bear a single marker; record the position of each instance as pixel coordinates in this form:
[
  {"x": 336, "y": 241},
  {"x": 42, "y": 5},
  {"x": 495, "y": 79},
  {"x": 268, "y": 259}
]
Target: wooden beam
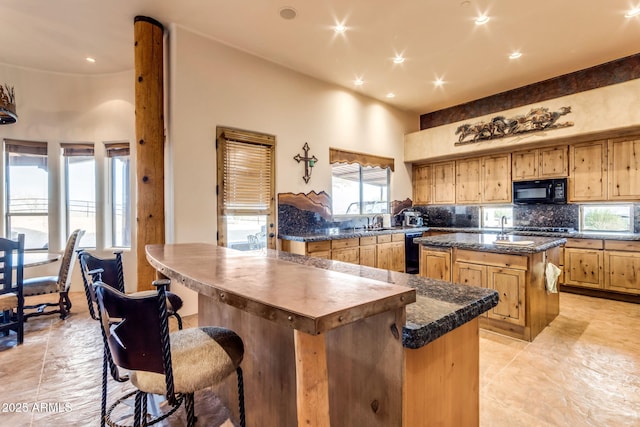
[
  {"x": 149, "y": 108},
  {"x": 312, "y": 381}
]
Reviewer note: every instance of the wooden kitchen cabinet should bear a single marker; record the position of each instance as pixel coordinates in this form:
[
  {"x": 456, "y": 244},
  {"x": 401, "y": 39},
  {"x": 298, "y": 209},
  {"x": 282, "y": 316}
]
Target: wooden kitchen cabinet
[
  {"x": 496, "y": 179},
  {"x": 553, "y": 162},
  {"x": 541, "y": 163},
  {"x": 468, "y": 182},
  {"x": 584, "y": 267},
  {"x": 368, "y": 251},
  {"x": 435, "y": 264},
  {"x": 390, "y": 252},
  {"x": 624, "y": 169},
  {"x": 622, "y": 266},
  {"x": 320, "y": 249},
  {"x": 524, "y": 165},
  {"x": 588, "y": 177},
  {"x": 421, "y": 180},
  {"x": 470, "y": 275},
  {"x": 510, "y": 285},
  {"x": 444, "y": 183}
]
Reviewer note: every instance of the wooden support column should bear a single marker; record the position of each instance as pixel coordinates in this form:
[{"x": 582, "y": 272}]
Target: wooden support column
[
  {"x": 149, "y": 108},
  {"x": 312, "y": 383}
]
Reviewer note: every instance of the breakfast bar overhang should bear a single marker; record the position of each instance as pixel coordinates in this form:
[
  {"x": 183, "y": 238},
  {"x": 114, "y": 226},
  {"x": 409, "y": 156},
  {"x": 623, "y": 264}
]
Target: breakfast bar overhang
[{"x": 325, "y": 345}]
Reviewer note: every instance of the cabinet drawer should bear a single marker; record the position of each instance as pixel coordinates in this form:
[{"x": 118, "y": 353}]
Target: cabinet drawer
[
  {"x": 366, "y": 241},
  {"x": 384, "y": 239},
  {"x": 622, "y": 245},
  {"x": 345, "y": 243},
  {"x": 584, "y": 243},
  {"x": 397, "y": 237},
  {"x": 324, "y": 245},
  {"x": 488, "y": 258}
]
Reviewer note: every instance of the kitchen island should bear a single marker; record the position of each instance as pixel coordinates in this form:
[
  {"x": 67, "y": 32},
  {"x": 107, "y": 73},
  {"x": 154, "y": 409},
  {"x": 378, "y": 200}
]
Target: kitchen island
[
  {"x": 514, "y": 266},
  {"x": 384, "y": 366}
]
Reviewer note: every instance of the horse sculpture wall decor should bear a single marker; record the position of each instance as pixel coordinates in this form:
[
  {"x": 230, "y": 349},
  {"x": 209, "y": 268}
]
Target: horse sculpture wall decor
[{"x": 498, "y": 127}]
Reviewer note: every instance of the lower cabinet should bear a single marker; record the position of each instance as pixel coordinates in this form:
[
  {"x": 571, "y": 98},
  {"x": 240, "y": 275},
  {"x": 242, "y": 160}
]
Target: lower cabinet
[
  {"x": 584, "y": 267},
  {"x": 508, "y": 282},
  {"x": 368, "y": 251},
  {"x": 384, "y": 251},
  {"x": 390, "y": 252},
  {"x": 435, "y": 264},
  {"x": 622, "y": 266},
  {"x": 510, "y": 285}
]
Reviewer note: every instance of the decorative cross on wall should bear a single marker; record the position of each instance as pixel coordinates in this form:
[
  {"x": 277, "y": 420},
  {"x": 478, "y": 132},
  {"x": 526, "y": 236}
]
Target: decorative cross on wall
[{"x": 309, "y": 162}]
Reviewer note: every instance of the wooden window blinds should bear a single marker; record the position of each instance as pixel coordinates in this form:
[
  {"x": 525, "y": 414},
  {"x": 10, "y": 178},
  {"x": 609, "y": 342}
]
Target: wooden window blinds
[{"x": 247, "y": 173}]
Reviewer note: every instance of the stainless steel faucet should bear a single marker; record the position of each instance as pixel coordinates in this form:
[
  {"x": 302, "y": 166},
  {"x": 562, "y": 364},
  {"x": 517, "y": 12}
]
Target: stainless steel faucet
[{"x": 502, "y": 235}]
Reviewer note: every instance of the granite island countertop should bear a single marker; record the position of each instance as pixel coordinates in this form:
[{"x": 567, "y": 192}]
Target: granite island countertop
[
  {"x": 573, "y": 234},
  {"x": 349, "y": 233},
  {"x": 440, "y": 306},
  {"x": 488, "y": 242}
]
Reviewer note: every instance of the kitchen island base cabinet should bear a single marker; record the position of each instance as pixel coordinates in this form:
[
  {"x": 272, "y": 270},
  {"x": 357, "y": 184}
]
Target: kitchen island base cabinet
[
  {"x": 364, "y": 364},
  {"x": 525, "y": 306},
  {"x": 442, "y": 379}
]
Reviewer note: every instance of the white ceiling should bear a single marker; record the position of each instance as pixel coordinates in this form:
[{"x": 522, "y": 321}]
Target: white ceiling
[{"x": 438, "y": 38}]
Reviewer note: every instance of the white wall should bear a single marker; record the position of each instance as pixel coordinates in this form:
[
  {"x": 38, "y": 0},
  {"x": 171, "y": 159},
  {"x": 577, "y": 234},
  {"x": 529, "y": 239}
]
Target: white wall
[
  {"x": 214, "y": 85},
  {"x": 58, "y": 108}
]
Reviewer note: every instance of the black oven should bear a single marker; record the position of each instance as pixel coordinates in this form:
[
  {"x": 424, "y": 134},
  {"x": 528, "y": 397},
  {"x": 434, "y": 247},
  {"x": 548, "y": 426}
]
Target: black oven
[
  {"x": 411, "y": 252},
  {"x": 552, "y": 191}
]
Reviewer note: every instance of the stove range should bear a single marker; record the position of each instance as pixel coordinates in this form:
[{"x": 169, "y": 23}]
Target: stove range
[{"x": 546, "y": 229}]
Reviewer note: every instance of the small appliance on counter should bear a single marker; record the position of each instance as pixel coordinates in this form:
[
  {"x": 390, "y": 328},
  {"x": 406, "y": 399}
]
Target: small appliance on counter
[{"x": 412, "y": 219}]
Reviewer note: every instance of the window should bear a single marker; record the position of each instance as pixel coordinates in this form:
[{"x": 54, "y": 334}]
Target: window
[
  {"x": 606, "y": 218},
  {"x": 119, "y": 172},
  {"x": 245, "y": 189},
  {"x": 27, "y": 192},
  {"x": 360, "y": 183},
  {"x": 80, "y": 174},
  {"x": 492, "y": 216}
]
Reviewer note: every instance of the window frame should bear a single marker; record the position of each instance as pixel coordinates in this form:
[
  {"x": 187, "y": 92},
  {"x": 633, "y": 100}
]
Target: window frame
[
  {"x": 31, "y": 148},
  {"x": 117, "y": 151},
  {"x": 484, "y": 209},
  {"x": 70, "y": 150},
  {"x": 630, "y": 222}
]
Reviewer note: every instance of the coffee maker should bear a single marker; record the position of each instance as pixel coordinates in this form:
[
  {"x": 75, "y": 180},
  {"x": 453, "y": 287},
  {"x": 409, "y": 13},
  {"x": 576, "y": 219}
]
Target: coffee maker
[{"x": 412, "y": 219}]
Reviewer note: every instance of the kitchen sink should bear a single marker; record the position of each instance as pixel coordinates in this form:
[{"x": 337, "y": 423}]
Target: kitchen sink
[{"x": 514, "y": 242}]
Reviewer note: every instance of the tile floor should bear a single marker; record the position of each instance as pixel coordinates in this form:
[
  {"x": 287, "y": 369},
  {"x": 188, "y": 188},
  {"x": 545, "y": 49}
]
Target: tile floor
[{"x": 583, "y": 370}]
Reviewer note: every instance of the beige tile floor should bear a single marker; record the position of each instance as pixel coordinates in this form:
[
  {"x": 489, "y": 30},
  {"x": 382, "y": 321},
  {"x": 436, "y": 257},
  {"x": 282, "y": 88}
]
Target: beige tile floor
[{"x": 583, "y": 370}]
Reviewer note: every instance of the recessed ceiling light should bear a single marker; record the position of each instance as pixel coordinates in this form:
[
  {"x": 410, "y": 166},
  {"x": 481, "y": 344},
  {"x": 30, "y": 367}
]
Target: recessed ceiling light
[
  {"x": 515, "y": 55},
  {"x": 287, "y": 12},
  {"x": 339, "y": 28},
  {"x": 632, "y": 12},
  {"x": 438, "y": 82},
  {"x": 398, "y": 59},
  {"x": 482, "y": 19},
  {"x": 358, "y": 82},
  {"x": 90, "y": 59},
  {"x": 391, "y": 95}
]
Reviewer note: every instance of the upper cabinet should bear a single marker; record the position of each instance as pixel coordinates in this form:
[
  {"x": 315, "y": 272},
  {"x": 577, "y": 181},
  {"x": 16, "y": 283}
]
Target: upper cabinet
[
  {"x": 551, "y": 162},
  {"x": 421, "y": 184},
  {"x": 496, "y": 178},
  {"x": 624, "y": 169},
  {"x": 444, "y": 183},
  {"x": 468, "y": 185},
  {"x": 588, "y": 177}
]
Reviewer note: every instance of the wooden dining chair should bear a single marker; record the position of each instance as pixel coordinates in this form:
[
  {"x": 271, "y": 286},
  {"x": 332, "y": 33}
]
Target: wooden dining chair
[
  {"x": 59, "y": 284},
  {"x": 11, "y": 281},
  {"x": 175, "y": 365}
]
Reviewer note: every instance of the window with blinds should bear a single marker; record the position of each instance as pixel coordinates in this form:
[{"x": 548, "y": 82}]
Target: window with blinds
[
  {"x": 246, "y": 188},
  {"x": 248, "y": 183}
]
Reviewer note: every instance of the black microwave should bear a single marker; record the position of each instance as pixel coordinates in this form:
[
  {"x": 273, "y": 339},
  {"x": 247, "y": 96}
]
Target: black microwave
[{"x": 552, "y": 191}]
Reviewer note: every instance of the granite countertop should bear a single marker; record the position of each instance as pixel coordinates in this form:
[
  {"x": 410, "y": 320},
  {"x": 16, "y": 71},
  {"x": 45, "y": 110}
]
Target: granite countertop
[
  {"x": 349, "y": 233},
  {"x": 440, "y": 306},
  {"x": 573, "y": 235},
  {"x": 487, "y": 242}
]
